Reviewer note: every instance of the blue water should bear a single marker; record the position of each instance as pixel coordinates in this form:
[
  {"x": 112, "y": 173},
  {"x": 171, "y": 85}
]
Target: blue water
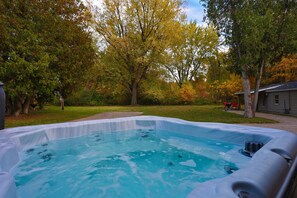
[{"x": 123, "y": 164}]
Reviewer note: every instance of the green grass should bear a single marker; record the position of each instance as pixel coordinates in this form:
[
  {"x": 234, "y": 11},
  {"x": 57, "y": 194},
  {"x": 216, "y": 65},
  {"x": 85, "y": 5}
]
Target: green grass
[{"x": 206, "y": 113}]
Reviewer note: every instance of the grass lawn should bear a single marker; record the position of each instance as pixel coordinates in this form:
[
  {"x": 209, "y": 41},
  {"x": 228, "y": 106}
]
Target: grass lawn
[{"x": 205, "y": 113}]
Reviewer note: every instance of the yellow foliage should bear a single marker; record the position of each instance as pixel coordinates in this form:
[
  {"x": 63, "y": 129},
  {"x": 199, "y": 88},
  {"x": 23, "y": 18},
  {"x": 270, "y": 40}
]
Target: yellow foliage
[
  {"x": 187, "y": 94},
  {"x": 202, "y": 90},
  {"x": 172, "y": 94}
]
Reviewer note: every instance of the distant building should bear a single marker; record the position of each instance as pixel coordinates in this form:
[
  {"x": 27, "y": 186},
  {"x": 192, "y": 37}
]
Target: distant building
[{"x": 277, "y": 98}]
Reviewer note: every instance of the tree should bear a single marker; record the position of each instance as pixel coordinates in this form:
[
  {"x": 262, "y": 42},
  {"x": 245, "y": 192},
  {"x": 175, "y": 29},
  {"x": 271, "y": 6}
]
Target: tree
[
  {"x": 104, "y": 78},
  {"x": 24, "y": 60},
  {"x": 43, "y": 49},
  {"x": 70, "y": 42},
  {"x": 284, "y": 71},
  {"x": 154, "y": 87},
  {"x": 187, "y": 94},
  {"x": 256, "y": 31},
  {"x": 188, "y": 56},
  {"x": 227, "y": 88},
  {"x": 276, "y": 37},
  {"x": 217, "y": 69},
  {"x": 135, "y": 34}
]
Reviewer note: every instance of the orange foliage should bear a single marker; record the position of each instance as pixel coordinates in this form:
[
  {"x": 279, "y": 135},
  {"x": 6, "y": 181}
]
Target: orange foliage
[
  {"x": 225, "y": 90},
  {"x": 202, "y": 90},
  {"x": 284, "y": 71}
]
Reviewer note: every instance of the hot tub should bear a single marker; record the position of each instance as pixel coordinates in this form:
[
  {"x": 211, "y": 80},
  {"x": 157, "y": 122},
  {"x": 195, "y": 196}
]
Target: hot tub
[{"x": 267, "y": 173}]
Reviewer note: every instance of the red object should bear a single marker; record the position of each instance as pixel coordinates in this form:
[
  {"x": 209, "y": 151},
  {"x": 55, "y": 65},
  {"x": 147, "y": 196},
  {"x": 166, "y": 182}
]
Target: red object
[
  {"x": 227, "y": 105},
  {"x": 231, "y": 105},
  {"x": 234, "y": 105}
]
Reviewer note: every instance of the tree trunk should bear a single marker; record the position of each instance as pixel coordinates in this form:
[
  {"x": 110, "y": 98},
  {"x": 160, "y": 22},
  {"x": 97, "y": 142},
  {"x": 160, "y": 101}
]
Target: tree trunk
[
  {"x": 257, "y": 87},
  {"x": 134, "y": 94},
  {"x": 9, "y": 105},
  {"x": 27, "y": 104},
  {"x": 62, "y": 102},
  {"x": 248, "y": 113},
  {"x": 17, "y": 108}
]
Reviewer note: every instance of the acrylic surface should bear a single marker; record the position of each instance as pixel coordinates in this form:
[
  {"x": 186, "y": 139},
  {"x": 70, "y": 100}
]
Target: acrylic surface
[{"x": 135, "y": 163}]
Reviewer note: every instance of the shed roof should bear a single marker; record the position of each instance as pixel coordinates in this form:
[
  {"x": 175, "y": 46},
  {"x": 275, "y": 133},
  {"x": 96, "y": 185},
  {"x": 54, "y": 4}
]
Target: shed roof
[{"x": 288, "y": 86}]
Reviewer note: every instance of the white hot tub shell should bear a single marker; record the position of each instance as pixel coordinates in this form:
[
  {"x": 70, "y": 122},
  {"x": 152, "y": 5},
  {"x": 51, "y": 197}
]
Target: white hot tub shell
[{"x": 267, "y": 174}]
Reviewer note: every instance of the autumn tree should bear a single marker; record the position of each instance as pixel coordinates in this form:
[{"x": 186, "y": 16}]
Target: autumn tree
[
  {"x": 227, "y": 88},
  {"x": 188, "y": 56},
  {"x": 284, "y": 71},
  {"x": 135, "y": 34}
]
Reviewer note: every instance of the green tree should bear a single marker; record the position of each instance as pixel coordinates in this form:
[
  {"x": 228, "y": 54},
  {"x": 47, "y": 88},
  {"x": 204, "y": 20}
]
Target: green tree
[
  {"x": 44, "y": 49},
  {"x": 135, "y": 34},
  {"x": 257, "y": 32},
  {"x": 65, "y": 28},
  {"x": 105, "y": 80},
  {"x": 217, "y": 69},
  {"x": 24, "y": 60}
]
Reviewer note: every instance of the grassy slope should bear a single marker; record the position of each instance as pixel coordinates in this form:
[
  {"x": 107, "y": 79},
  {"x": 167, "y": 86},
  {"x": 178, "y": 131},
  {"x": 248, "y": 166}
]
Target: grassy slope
[{"x": 207, "y": 113}]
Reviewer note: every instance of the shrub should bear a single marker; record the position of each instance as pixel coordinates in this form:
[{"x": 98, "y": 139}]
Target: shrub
[
  {"x": 152, "y": 97},
  {"x": 187, "y": 94}
]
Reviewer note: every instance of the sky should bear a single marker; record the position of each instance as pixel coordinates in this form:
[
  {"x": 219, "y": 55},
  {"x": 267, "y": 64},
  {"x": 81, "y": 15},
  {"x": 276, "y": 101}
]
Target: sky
[{"x": 194, "y": 11}]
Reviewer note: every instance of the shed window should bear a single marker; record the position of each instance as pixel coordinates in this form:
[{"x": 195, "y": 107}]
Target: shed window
[{"x": 276, "y": 99}]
